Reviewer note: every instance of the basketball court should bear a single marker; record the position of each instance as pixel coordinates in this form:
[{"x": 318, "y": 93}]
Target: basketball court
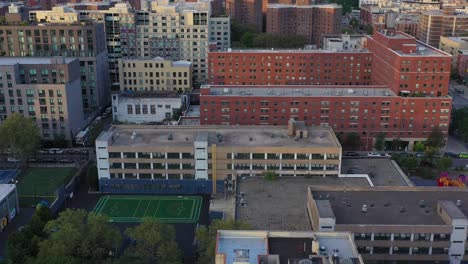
[{"x": 166, "y": 209}]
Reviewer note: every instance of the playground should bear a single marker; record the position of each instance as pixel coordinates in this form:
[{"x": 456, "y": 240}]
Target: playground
[
  {"x": 38, "y": 184},
  {"x": 166, "y": 209}
]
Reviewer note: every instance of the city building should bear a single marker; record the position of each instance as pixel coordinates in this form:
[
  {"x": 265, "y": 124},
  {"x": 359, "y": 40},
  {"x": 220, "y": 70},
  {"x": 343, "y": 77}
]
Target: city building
[
  {"x": 115, "y": 18},
  {"x": 447, "y": 22},
  {"x": 366, "y": 110},
  {"x": 395, "y": 223},
  {"x": 406, "y": 23},
  {"x": 147, "y": 107},
  {"x": 452, "y": 45},
  {"x": 290, "y": 67},
  {"x": 69, "y": 38},
  {"x": 408, "y": 66},
  {"x": 246, "y": 12},
  {"x": 9, "y": 205},
  {"x": 46, "y": 89},
  {"x": 398, "y": 87},
  {"x": 309, "y": 21},
  {"x": 172, "y": 30},
  {"x": 344, "y": 42},
  {"x": 197, "y": 159},
  {"x": 156, "y": 74},
  {"x": 275, "y": 247},
  {"x": 462, "y": 65},
  {"x": 220, "y": 32}
]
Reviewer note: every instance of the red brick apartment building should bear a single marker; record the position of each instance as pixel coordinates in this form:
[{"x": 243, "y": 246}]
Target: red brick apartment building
[
  {"x": 289, "y": 67},
  {"x": 310, "y": 21},
  {"x": 405, "y": 97}
]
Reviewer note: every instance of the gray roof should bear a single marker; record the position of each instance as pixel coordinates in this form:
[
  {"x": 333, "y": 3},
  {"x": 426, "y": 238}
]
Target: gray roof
[
  {"x": 325, "y": 209},
  {"x": 392, "y": 205},
  {"x": 248, "y": 136},
  {"x": 6, "y": 189},
  {"x": 300, "y": 90},
  {"x": 35, "y": 60}
]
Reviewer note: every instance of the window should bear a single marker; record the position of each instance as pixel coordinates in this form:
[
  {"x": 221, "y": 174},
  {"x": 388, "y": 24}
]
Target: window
[{"x": 129, "y": 109}]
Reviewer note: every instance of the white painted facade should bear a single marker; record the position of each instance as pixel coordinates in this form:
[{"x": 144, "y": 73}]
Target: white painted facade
[{"x": 141, "y": 109}]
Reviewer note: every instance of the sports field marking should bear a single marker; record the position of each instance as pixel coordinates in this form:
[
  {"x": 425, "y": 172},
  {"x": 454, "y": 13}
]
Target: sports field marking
[{"x": 168, "y": 209}]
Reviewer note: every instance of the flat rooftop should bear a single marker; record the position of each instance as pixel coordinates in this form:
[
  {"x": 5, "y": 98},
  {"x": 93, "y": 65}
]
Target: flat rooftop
[
  {"x": 291, "y": 51},
  {"x": 6, "y": 189},
  {"x": 247, "y": 136},
  {"x": 148, "y": 94},
  {"x": 248, "y": 246},
  {"x": 304, "y": 6},
  {"x": 269, "y": 203},
  {"x": 299, "y": 91},
  {"x": 389, "y": 205},
  {"x": 34, "y": 60}
]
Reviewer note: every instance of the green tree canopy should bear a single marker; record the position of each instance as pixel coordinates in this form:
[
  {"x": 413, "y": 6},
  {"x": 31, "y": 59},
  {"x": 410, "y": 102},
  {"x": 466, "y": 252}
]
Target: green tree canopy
[
  {"x": 206, "y": 238},
  {"x": 154, "y": 244},
  {"x": 380, "y": 141},
  {"x": 23, "y": 245},
  {"x": 459, "y": 124},
  {"x": 436, "y": 138},
  {"x": 352, "y": 140},
  {"x": 443, "y": 163},
  {"x": 419, "y": 146},
  {"x": 19, "y": 135},
  {"x": 77, "y": 236}
]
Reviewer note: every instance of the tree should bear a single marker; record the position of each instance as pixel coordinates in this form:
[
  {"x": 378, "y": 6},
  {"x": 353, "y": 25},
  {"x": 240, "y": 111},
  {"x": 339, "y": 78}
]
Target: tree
[
  {"x": 436, "y": 138},
  {"x": 459, "y": 124},
  {"x": 23, "y": 245},
  {"x": 206, "y": 238},
  {"x": 380, "y": 141},
  {"x": 19, "y": 135},
  {"x": 444, "y": 163},
  {"x": 154, "y": 243},
  {"x": 247, "y": 39},
  {"x": 418, "y": 146},
  {"x": 352, "y": 140},
  {"x": 270, "y": 175},
  {"x": 409, "y": 163},
  {"x": 77, "y": 236}
]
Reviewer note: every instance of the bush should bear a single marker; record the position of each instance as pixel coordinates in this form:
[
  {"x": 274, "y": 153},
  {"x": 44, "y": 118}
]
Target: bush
[
  {"x": 270, "y": 176},
  {"x": 426, "y": 173}
]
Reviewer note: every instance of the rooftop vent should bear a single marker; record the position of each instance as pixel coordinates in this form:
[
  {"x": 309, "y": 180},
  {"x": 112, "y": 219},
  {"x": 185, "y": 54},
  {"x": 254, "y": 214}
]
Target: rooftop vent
[
  {"x": 386, "y": 204},
  {"x": 250, "y": 138},
  {"x": 458, "y": 203},
  {"x": 170, "y": 137},
  {"x": 323, "y": 248},
  {"x": 133, "y": 135},
  {"x": 186, "y": 138},
  {"x": 422, "y": 204},
  {"x": 364, "y": 208},
  {"x": 402, "y": 210}
]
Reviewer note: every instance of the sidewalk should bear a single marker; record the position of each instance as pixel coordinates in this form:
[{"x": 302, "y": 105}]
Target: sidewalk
[{"x": 228, "y": 206}]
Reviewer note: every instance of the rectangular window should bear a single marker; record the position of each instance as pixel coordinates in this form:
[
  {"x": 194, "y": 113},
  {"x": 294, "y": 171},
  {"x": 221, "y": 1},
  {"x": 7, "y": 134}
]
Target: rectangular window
[{"x": 129, "y": 109}]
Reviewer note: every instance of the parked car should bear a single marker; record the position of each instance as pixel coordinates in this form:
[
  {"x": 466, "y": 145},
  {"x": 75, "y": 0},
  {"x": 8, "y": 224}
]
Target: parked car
[
  {"x": 43, "y": 151},
  {"x": 373, "y": 154},
  {"x": 55, "y": 151},
  {"x": 451, "y": 155},
  {"x": 351, "y": 154},
  {"x": 11, "y": 159}
]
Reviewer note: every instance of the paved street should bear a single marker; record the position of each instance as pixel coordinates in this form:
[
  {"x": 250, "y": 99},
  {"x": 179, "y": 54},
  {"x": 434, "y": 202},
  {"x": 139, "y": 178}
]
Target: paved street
[
  {"x": 459, "y": 100},
  {"x": 455, "y": 145}
]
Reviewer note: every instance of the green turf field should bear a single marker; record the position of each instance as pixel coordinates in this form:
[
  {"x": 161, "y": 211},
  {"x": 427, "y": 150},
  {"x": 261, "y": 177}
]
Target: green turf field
[
  {"x": 38, "y": 184},
  {"x": 166, "y": 209}
]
